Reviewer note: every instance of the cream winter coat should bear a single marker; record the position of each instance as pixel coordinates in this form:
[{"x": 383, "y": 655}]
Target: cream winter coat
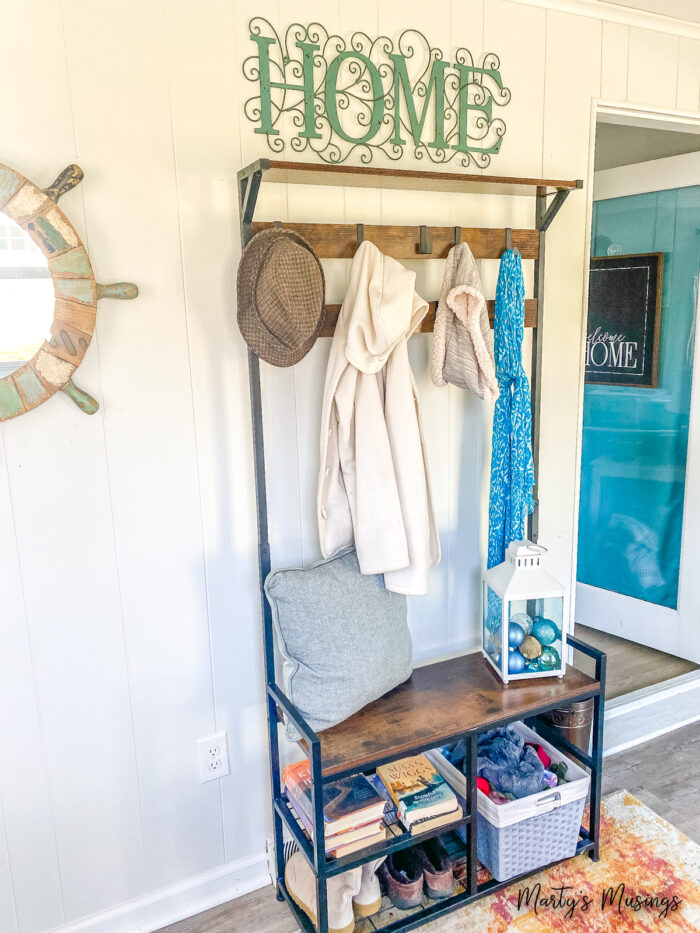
[{"x": 374, "y": 486}]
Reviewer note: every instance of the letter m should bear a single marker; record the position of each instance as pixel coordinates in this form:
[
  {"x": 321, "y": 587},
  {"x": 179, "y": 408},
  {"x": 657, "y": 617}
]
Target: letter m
[{"x": 402, "y": 88}]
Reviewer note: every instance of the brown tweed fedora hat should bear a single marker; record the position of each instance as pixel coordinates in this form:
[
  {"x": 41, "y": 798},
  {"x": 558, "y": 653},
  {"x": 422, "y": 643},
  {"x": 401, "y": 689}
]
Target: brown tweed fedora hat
[{"x": 280, "y": 296}]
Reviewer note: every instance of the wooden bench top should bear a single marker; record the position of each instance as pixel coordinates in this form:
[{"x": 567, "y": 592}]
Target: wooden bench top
[{"x": 438, "y": 701}]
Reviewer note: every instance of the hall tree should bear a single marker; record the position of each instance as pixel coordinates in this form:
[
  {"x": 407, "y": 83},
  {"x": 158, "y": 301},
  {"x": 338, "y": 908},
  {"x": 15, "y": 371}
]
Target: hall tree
[{"x": 130, "y": 622}]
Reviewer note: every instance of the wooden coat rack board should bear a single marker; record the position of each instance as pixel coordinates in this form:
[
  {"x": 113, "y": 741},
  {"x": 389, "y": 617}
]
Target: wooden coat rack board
[{"x": 339, "y": 241}]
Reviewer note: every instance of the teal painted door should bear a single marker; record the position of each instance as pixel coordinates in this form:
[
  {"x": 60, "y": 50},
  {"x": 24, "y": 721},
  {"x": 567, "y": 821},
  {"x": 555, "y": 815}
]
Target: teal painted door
[{"x": 635, "y": 441}]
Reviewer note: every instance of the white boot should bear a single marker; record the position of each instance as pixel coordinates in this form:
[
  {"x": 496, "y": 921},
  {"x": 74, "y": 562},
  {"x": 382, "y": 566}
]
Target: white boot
[
  {"x": 368, "y": 899},
  {"x": 301, "y": 884}
]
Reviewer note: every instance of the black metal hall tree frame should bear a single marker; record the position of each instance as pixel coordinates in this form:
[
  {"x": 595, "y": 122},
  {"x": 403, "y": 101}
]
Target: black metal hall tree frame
[{"x": 550, "y": 196}]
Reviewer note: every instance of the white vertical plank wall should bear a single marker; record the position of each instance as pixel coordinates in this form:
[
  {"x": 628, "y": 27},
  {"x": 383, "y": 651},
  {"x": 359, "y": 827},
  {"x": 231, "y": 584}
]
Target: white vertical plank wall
[{"x": 130, "y": 611}]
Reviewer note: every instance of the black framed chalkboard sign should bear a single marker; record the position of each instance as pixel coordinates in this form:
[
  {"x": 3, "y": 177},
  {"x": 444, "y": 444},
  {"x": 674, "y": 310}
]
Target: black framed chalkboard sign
[{"x": 624, "y": 320}]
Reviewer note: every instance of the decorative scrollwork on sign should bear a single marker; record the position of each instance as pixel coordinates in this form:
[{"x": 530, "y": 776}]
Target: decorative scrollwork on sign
[{"x": 369, "y": 95}]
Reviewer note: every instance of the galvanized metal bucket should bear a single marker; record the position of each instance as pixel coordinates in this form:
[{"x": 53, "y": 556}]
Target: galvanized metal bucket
[{"x": 574, "y": 722}]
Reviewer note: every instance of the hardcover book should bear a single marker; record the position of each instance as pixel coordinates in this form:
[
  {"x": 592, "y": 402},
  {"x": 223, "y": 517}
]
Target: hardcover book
[
  {"x": 347, "y": 803},
  {"x": 364, "y": 834},
  {"x": 378, "y": 836},
  {"x": 417, "y": 789}
]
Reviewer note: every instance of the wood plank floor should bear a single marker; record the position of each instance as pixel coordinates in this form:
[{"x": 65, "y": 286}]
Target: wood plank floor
[
  {"x": 663, "y": 774},
  {"x": 630, "y": 666}
]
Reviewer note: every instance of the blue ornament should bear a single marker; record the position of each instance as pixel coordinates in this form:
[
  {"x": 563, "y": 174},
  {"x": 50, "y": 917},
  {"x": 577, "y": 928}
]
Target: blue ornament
[
  {"x": 516, "y": 662},
  {"x": 493, "y": 623},
  {"x": 545, "y": 631},
  {"x": 516, "y": 635},
  {"x": 523, "y": 620}
]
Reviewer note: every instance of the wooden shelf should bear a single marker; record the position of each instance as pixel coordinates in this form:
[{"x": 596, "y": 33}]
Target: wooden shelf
[
  {"x": 365, "y": 176},
  {"x": 437, "y": 702}
]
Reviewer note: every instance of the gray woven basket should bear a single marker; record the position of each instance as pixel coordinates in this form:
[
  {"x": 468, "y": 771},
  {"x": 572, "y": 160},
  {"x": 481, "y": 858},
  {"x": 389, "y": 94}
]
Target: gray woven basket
[{"x": 512, "y": 850}]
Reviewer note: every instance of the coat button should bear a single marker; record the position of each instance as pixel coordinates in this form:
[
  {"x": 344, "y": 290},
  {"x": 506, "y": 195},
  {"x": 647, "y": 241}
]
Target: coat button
[{"x": 323, "y": 513}]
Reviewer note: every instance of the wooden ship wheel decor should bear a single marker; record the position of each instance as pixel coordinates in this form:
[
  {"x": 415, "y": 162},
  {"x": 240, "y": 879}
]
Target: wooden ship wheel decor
[{"x": 48, "y": 295}]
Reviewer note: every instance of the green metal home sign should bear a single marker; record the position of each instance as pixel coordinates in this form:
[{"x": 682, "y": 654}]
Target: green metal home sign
[{"x": 320, "y": 92}]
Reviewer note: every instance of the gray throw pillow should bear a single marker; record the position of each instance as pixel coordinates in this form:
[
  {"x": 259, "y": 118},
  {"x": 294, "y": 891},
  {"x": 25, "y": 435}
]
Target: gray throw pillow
[{"x": 343, "y": 636}]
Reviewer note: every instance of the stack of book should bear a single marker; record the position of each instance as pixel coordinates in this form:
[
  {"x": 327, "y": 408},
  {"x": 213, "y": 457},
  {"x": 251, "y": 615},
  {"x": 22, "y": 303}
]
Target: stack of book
[
  {"x": 424, "y": 800},
  {"x": 352, "y": 809}
]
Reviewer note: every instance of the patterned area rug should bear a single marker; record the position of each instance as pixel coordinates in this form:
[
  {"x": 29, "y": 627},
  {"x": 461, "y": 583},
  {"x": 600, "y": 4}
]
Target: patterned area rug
[{"x": 651, "y": 870}]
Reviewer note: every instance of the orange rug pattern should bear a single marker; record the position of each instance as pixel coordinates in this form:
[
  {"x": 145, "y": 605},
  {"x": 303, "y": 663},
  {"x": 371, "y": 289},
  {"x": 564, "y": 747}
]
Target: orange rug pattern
[{"x": 650, "y": 869}]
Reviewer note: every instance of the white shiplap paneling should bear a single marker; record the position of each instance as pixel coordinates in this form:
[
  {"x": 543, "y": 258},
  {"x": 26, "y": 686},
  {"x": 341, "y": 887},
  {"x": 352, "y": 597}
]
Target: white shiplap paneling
[
  {"x": 572, "y": 79},
  {"x": 614, "y": 58},
  {"x": 150, "y": 422},
  {"x": 653, "y": 68}
]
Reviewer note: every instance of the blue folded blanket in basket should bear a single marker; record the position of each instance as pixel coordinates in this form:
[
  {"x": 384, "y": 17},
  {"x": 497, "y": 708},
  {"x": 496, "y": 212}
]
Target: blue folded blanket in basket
[{"x": 505, "y": 761}]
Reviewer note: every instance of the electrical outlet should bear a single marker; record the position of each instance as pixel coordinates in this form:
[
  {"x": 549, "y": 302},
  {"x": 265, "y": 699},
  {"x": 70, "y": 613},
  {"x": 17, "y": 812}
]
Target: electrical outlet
[{"x": 213, "y": 757}]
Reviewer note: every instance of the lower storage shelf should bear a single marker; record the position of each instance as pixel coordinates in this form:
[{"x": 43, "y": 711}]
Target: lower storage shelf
[{"x": 391, "y": 919}]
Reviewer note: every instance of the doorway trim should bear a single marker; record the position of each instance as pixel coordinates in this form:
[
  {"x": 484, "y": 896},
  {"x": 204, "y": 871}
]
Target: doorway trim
[{"x": 658, "y": 704}]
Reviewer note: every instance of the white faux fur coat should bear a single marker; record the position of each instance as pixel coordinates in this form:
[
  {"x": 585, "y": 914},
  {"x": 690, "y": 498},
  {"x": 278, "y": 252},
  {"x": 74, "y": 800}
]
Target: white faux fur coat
[{"x": 374, "y": 487}]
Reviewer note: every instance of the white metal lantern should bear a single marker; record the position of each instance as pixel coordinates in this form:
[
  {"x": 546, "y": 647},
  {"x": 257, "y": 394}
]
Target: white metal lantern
[{"x": 523, "y": 632}]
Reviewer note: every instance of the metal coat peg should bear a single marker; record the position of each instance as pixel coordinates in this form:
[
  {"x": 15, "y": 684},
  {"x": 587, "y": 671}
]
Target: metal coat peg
[
  {"x": 360, "y": 233},
  {"x": 278, "y": 223},
  {"x": 458, "y": 235},
  {"x": 509, "y": 238},
  {"x": 424, "y": 247}
]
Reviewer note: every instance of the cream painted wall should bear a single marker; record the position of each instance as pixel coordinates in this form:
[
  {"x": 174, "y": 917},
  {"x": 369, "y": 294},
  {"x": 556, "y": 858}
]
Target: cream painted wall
[{"x": 130, "y": 622}]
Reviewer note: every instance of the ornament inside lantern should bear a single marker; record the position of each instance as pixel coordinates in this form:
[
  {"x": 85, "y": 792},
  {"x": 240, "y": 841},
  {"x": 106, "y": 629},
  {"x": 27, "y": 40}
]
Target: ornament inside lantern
[{"x": 523, "y": 616}]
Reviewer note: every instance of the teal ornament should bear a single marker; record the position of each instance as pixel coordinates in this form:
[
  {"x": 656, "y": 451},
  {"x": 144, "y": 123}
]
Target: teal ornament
[
  {"x": 493, "y": 623},
  {"x": 516, "y": 635},
  {"x": 545, "y": 631},
  {"x": 549, "y": 659},
  {"x": 532, "y": 667},
  {"x": 516, "y": 662},
  {"x": 523, "y": 620}
]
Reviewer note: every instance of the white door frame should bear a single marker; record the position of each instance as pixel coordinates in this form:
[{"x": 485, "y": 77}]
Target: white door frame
[{"x": 605, "y": 110}]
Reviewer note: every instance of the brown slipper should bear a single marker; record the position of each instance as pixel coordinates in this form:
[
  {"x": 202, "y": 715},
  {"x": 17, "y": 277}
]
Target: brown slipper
[
  {"x": 437, "y": 868},
  {"x": 402, "y": 878}
]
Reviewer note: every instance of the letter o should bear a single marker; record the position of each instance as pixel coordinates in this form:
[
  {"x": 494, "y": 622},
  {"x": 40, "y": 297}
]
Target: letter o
[
  {"x": 605, "y": 358},
  {"x": 377, "y": 102}
]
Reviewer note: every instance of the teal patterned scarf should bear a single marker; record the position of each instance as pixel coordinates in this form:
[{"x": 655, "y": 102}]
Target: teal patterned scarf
[{"x": 512, "y": 470}]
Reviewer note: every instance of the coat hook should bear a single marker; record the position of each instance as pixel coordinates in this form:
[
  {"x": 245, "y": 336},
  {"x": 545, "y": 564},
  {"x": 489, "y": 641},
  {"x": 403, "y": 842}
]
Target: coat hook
[
  {"x": 424, "y": 247},
  {"x": 278, "y": 223},
  {"x": 360, "y": 233},
  {"x": 458, "y": 235},
  {"x": 509, "y": 238}
]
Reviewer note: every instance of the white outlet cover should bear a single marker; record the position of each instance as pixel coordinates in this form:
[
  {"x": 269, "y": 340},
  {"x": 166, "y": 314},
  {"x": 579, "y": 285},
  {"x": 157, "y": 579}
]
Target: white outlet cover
[{"x": 213, "y": 757}]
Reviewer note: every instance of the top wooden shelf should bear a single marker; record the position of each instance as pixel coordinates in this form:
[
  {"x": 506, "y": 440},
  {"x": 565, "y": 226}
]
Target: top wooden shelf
[
  {"x": 365, "y": 176},
  {"x": 439, "y": 701}
]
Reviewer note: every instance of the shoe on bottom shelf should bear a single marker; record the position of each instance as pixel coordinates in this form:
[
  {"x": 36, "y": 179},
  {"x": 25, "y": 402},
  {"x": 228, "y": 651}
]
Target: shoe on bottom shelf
[
  {"x": 437, "y": 869},
  {"x": 368, "y": 899},
  {"x": 301, "y": 884},
  {"x": 402, "y": 878}
]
